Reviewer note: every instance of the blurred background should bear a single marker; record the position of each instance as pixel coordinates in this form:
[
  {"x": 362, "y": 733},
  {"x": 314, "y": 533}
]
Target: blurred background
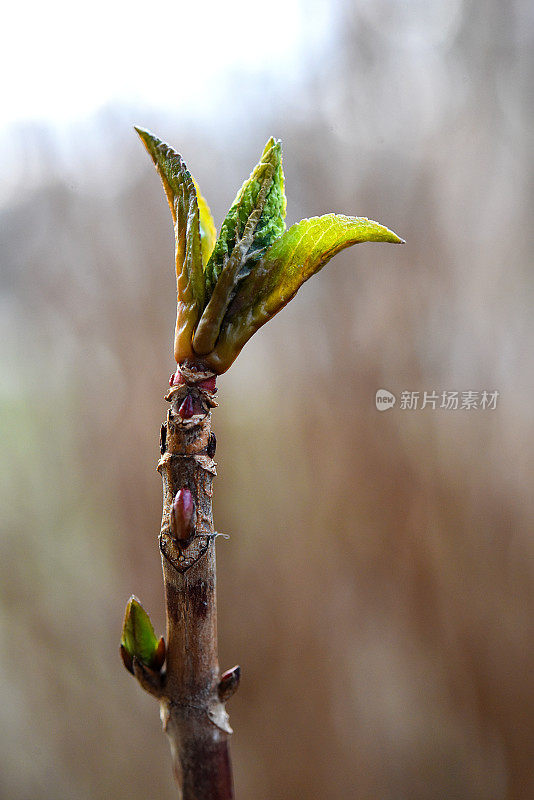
[{"x": 378, "y": 585}]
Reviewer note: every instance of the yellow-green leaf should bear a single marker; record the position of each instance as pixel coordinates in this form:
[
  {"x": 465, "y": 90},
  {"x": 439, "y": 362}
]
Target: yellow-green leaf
[
  {"x": 182, "y": 197},
  {"x": 138, "y": 637},
  {"x": 208, "y": 231},
  {"x": 293, "y": 258},
  {"x": 255, "y": 220}
]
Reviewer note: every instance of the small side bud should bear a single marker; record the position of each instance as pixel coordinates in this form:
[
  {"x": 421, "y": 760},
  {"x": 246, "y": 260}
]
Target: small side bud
[
  {"x": 183, "y": 510},
  {"x": 186, "y": 409},
  {"x": 138, "y": 640},
  {"x": 229, "y": 683},
  {"x": 159, "y": 654}
]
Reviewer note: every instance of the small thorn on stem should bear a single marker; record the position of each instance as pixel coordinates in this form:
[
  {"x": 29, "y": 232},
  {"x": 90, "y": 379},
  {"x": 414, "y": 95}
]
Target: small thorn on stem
[
  {"x": 186, "y": 409},
  {"x": 229, "y": 683},
  {"x": 183, "y": 509}
]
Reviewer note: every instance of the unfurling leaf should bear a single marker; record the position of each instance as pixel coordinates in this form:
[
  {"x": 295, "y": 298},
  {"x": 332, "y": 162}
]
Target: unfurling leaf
[
  {"x": 255, "y": 220},
  {"x": 208, "y": 232},
  {"x": 293, "y": 258},
  {"x": 182, "y": 196},
  {"x": 138, "y": 639}
]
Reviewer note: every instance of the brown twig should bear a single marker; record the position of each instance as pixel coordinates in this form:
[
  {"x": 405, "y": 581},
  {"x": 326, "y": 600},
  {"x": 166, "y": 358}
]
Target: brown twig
[{"x": 191, "y": 691}]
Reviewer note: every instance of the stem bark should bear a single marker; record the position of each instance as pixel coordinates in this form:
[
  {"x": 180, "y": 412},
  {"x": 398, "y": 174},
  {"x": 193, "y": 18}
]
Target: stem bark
[{"x": 190, "y": 690}]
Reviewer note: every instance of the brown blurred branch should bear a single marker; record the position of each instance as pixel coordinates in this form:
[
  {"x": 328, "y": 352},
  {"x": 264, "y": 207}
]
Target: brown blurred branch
[{"x": 192, "y": 692}]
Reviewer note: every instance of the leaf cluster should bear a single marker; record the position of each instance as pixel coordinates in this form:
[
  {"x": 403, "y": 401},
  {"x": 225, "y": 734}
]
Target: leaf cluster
[{"x": 229, "y": 286}]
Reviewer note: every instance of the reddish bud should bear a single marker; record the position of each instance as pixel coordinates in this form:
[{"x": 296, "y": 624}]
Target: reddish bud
[
  {"x": 228, "y": 683},
  {"x": 186, "y": 409},
  {"x": 158, "y": 658},
  {"x": 208, "y": 384},
  {"x": 176, "y": 378},
  {"x": 183, "y": 509}
]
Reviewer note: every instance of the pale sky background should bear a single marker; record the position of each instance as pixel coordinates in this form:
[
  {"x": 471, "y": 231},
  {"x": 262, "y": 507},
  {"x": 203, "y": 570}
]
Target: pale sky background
[
  {"x": 65, "y": 60},
  {"x": 65, "y": 63}
]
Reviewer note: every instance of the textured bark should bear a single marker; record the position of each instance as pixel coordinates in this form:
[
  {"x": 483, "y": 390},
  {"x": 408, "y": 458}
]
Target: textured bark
[{"x": 190, "y": 690}]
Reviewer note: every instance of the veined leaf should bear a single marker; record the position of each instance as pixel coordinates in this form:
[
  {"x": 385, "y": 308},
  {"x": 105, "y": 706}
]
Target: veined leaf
[
  {"x": 138, "y": 637},
  {"x": 269, "y": 227},
  {"x": 254, "y": 222},
  {"x": 182, "y": 196},
  {"x": 298, "y": 254}
]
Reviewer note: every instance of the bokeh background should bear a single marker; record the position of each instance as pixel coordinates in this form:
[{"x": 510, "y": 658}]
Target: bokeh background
[{"x": 378, "y": 584}]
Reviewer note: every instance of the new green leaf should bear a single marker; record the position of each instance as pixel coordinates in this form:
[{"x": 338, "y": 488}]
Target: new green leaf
[
  {"x": 298, "y": 254},
  {"x": 255, "y": 220},
  {"x": 138, "y": 638},
  {"x": 231, "y": 286},
  {"x": 208, "y": 232},
  {"x": 182, "y": 197}
]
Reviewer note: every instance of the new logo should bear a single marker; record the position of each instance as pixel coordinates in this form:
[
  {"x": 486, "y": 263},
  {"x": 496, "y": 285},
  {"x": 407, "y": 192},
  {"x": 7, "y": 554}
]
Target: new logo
[{"x": 384, "y": 400}]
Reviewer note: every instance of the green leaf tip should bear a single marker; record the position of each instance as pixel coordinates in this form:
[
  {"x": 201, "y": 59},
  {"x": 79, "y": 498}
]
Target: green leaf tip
[
  {"x": 262, "y": 196},
  {"x": 228, "y": 287},
  {"x": 194, "y": 232},
  {"x": 255, "y": 220},
  {"x": 138, "y": 640},
  {"x": 292, "y": 259},
  {"x": 172, "y": 171}
]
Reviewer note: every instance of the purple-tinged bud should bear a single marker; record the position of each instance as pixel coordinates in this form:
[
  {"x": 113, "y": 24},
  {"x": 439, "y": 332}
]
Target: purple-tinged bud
[
  {"x": 228, "y": 683},
  {"x": 183, "y": 510},
  {"x": 176, "y": 379},
  {"x": 186, "y": 409},
  {"x": 208, "y": 384}
]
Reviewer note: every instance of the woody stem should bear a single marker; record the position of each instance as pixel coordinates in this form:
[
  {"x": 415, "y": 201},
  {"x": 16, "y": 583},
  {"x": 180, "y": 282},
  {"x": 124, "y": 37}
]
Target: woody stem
[{"x": 192, "y": 711}]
